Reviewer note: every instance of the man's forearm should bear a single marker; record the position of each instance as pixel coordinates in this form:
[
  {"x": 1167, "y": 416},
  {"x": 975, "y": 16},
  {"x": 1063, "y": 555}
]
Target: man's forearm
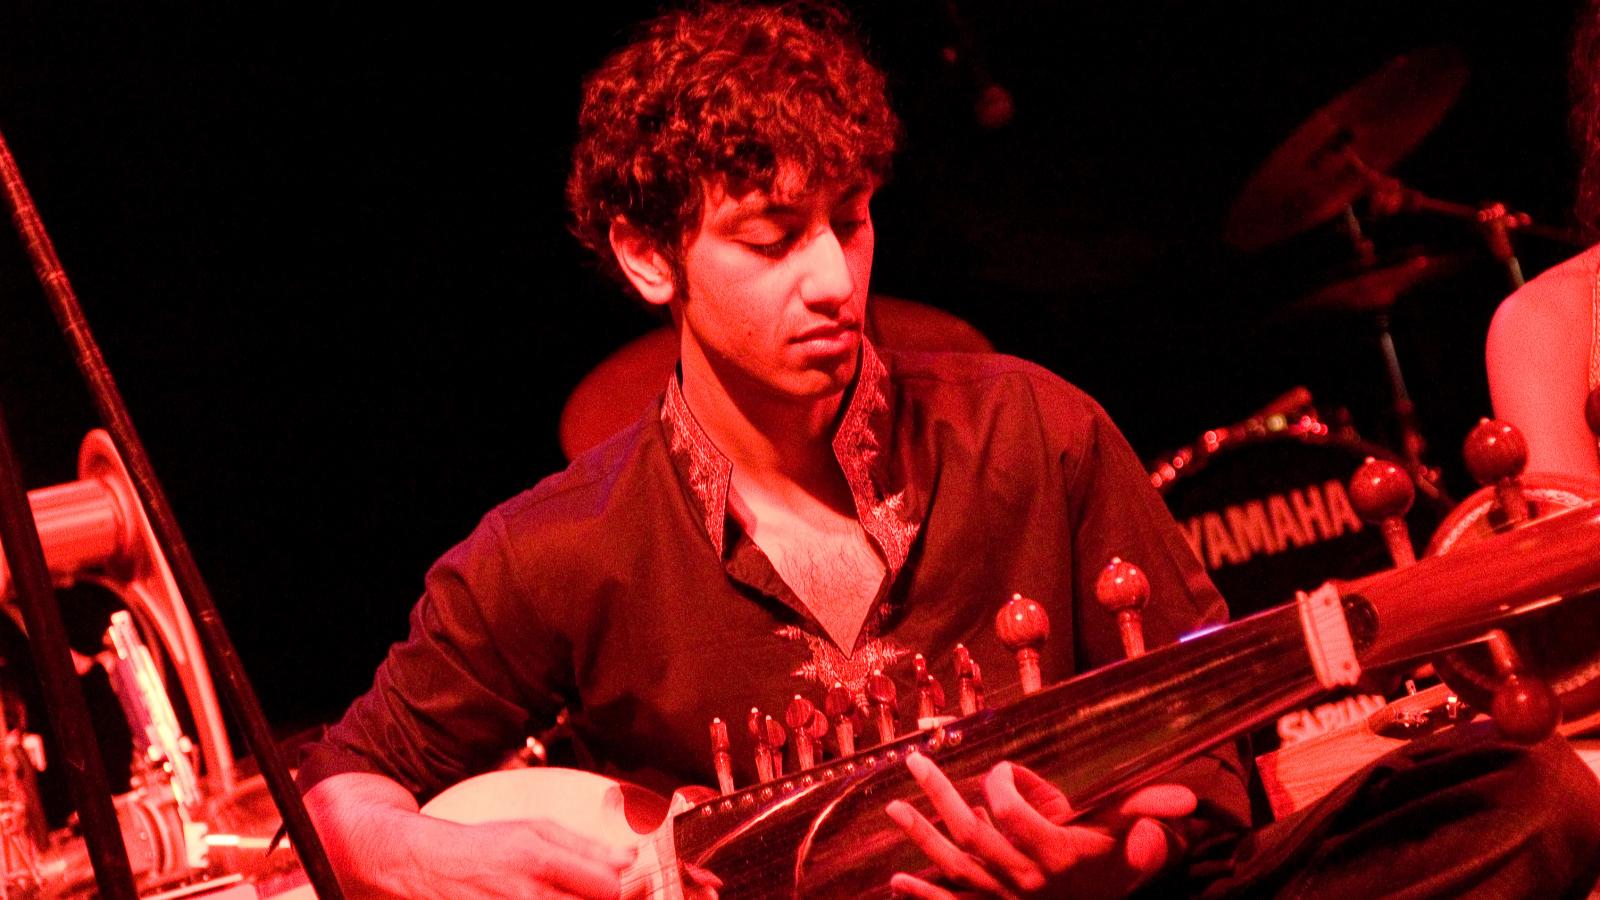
[{"x": 364, "y": 821}]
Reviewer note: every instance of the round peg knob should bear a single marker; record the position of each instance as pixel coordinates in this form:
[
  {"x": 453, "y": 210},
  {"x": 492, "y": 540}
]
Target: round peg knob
[
  {"x": 1591, "y": 411},
  {"x": 1495, "y": 450},
  {"x": 1123, "y": 588},
  {"x": 1525, "y": 709},
  {"x": 1023, "y": 627},
  {"x": 797, "y": 714},
  {"x": 1496, "y": 454},
  {"x": 1382, "y": 493},
  {"x": 1380, "y": 490}
]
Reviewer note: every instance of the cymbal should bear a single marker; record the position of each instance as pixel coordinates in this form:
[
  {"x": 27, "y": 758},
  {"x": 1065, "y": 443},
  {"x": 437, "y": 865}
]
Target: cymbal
[
  {"x": 616, "y": 391},
  {"x": 1375, "y": 289},
  {"x": 1332, "y": 158}
]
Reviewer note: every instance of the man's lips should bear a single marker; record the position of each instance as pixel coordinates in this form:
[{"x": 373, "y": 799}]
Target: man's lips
[{"x": 829, "y": 331}]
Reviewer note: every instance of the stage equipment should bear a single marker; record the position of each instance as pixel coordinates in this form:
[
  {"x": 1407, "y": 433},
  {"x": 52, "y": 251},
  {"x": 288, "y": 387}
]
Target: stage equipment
[{"x": 28, "y": 568}]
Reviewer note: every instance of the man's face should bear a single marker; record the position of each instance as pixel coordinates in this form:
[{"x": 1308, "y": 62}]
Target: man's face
[{"x": 775, "y": 289}]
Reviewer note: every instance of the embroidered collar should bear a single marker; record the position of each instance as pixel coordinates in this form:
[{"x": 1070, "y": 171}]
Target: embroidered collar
[{"x": 858, "y": 447}]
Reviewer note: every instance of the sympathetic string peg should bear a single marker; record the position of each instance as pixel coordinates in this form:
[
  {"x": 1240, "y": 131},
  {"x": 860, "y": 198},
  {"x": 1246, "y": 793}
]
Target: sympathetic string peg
[
  {"x": 883, "y": 696},
  {"x": 1496, "y": 454},
  {"x": 930, "y": 694},
  {"x": 808, "y": 725},
  {"x": 720, "y": 757},
  {"x": 775, "y": 736},
  {"x": 1023, "y": 628},
  {"x": 969, "y": 682},
  {"x": 1123, "y": 588},
  {"x": 769, "y": 752},
  {"x": 840, "y": 705},
  {"x": 1382, "y": 494}
]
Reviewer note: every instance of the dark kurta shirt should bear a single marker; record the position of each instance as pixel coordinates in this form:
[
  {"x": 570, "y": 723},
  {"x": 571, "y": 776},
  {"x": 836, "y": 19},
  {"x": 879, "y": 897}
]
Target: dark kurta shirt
[{"x": 622, "y": 590}]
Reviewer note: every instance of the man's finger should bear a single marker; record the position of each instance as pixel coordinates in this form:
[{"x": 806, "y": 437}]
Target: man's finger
[
  {"x": 1056, "y": 848},
  {"x": 950, "y": 859},
  {"x": 557, "y": 865},
  {"x": 1149, "y": 845},
  {"x": 904, "y": 885},
  {"x": 599, "y": 851},
  {"x": 1037, "y": 836},
  {"x": 1160, "y": 801},
  {"x": 970, "y": 831}
]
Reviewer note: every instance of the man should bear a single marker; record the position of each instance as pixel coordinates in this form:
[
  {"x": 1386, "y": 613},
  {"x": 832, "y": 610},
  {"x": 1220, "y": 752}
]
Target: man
[{"x": 799, "y": 510}]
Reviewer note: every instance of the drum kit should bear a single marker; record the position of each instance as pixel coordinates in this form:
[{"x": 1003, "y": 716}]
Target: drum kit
[{"x": 1333, "y": 168}]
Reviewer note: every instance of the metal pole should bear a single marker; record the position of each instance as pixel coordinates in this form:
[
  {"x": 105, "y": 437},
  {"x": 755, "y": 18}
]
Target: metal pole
[{"x": 58, "y": 679}]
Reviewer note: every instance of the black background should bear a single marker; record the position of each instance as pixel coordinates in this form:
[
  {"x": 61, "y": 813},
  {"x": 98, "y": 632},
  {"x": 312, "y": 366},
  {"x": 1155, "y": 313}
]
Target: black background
[{"x": 324, "y": 248}]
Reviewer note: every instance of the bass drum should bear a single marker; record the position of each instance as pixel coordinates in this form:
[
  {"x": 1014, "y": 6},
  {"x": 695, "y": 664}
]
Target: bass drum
[{"x": 1269, "y": 514}]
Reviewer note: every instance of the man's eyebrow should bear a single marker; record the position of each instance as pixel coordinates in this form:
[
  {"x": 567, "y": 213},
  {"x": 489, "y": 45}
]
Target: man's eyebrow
[{"x": 763, "y": 206}]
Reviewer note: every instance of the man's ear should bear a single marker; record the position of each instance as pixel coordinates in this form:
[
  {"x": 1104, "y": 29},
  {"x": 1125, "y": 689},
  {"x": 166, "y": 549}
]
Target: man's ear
[{"x": 647, "y": 268}]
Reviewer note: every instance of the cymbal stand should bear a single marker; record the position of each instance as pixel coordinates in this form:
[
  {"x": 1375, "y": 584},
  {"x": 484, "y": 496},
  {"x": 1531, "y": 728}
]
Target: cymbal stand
[
  {"x": 219, "y": 649},
  {"x": 1412, "y": 443}
]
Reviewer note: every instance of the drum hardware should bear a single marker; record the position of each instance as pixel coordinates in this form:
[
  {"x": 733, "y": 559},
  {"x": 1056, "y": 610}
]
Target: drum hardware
[
  {"x": 92, "y": 530},
  {"x": 183, "y": 817},
  {"x": 1374, "y": 288},
  {"x": 23, "y": 550},
  {"x": 1324, "y": 166},
  {"x": 1291, "y": 413},
  {"x": 1335, "y": 158},
  {"x": 22, "y": 825}
]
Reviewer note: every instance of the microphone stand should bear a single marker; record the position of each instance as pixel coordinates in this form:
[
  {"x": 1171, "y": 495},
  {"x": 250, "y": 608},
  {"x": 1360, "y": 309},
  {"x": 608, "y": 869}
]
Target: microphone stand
[{"x": 220, "y": 652}]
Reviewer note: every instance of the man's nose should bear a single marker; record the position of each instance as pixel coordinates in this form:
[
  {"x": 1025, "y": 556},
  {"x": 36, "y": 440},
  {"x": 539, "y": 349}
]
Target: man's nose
[{"x": 826, "y": 279}]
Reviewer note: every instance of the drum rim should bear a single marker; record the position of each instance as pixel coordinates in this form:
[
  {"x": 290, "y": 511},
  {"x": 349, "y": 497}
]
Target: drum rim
[{"x": 1198, "y": 456}]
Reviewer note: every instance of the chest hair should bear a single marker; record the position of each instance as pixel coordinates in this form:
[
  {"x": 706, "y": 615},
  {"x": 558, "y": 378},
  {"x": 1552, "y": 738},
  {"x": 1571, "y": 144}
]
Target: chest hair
[{"x": 827, "y": 560}]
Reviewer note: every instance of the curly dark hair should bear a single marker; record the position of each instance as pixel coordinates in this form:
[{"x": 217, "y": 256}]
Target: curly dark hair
[
  {"x": 723, "y": 89},
  {"x": 1585, "y": 79}
]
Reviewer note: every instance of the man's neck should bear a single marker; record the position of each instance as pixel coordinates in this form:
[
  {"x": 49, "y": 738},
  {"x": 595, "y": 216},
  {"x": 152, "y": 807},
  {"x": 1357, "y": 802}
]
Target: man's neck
[{"x": 765, "y": 437}]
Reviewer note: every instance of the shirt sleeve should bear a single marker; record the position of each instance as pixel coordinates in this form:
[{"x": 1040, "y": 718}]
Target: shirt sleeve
[
  {"x": 1117, "y": 513},
  {"x": 448, "y": 702}
]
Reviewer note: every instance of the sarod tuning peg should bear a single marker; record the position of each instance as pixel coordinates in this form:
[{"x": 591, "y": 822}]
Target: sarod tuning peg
[
  {"x": 1382, "y": 494},
  {"x": 1524, "y": 707},
  {"x": 1496, "y": 454},
  {"x": 1123, "y": 588},
  {"x": 1023, "y": 627}
]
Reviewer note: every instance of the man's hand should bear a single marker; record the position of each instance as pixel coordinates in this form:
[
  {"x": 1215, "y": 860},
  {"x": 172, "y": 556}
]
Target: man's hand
[
  {"x": 381, "y": 846},
  {"x": 1022, "y": 842}
]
